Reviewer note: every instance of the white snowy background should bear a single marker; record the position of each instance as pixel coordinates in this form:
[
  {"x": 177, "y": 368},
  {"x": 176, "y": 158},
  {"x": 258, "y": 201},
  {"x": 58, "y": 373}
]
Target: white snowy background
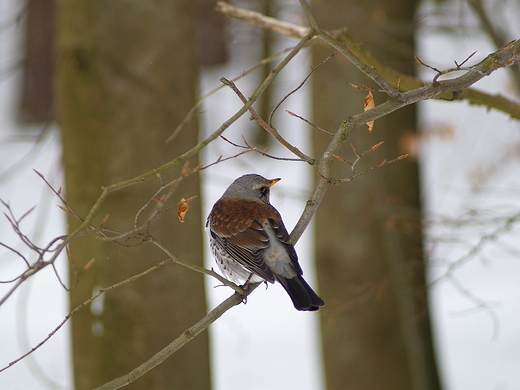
[{"x": 477, "y": 330}]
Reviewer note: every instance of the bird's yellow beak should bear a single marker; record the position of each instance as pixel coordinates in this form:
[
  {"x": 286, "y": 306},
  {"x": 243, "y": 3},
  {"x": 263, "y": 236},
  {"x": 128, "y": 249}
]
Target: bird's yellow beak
[{"x": 274, "y": 181}]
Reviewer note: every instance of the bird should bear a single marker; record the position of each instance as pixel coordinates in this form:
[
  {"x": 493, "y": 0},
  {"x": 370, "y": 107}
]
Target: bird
[{"x": 250, "y": 243}]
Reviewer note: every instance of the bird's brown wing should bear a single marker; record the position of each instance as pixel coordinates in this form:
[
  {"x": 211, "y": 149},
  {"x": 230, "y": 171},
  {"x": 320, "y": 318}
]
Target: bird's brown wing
[{"x": 241, "y": 235}]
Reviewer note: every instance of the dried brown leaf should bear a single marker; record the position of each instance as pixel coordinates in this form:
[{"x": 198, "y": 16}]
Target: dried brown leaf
[
  {"x": 182, "y": 209},
  {"x": 368, "y": 104}
]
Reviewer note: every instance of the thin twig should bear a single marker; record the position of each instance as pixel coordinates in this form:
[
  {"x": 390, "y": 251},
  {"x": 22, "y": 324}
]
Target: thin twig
[
  {"x": 368, "y": 70},
  {"x": 81, "y": 306},
  {"x": 269, "y": 120},
  {"x": 310, "y": 16},
  {"x": 249, "y": 148},
  {"x": 309, "y": 122},
  {"x": 271, "y": 130},
  {"x": 263, "y": 21},
  {"x": 192, "y": 111},
  {"x": 197, "y": 268},
  {"x": 495, "y": 32},
  {"x": 479, "y": 247},
  {"x": 220, "y": 159},
  {"x": 334, "y": 182},
  {"x": 19, "y": 254}
]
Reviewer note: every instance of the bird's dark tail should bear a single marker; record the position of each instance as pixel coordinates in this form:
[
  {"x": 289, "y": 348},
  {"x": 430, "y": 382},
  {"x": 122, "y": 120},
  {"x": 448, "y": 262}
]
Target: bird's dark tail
[{"x": 303, "y": 296}]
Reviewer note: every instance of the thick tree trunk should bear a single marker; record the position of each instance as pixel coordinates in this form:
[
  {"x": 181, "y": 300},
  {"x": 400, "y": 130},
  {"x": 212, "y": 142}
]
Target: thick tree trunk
[
  {"x": 376, "y": 329},
  {"x": 126, "y": 74}
]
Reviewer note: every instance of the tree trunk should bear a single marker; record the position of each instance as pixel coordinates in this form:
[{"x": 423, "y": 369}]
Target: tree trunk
[
  {"x": 376, "y": 329},
  {"x": 126, "y": 74}
]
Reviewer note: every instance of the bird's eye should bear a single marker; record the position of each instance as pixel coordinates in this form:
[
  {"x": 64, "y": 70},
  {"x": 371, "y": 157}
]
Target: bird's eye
[{"x": 263, "y": 190}]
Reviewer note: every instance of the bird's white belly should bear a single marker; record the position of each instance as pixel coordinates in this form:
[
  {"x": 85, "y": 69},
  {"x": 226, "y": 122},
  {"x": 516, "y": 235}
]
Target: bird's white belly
[{"x": 232, "y": 270}]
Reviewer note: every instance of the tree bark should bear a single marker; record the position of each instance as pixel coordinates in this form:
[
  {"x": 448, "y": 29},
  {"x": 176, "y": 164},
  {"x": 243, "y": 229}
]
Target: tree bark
[
  {"x": 126, "y": 74},
  {"x": 36, "y": 100},
  {"x": 370, "y": 258}
]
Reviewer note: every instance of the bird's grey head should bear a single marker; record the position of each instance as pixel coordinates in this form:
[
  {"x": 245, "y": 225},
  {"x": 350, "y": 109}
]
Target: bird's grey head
[{"x": 251, "y": 187}]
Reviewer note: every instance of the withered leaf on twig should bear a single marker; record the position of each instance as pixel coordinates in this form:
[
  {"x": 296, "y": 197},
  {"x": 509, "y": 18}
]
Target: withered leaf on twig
[
  {"x": 182, "y": 209},
  {"x": 368, "y": 104}
]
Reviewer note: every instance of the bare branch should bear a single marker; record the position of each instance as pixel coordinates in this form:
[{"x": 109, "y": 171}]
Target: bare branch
[
  {"x": 503, "y": 57},
  {"x": 271, "y": 130},
  {"x": 310, "y": 16},
  {"x": 496, "y": 33},
  {"x": 19, "y": 254},
  {"x": 249, "y": 148},
  {"x": 309, "y": 122},
  {"x": 81, "y": 306},
  {"x": 485, "y": 239},
  {"x": 179, "y": 342},
  {"x": 298, "y": 87},
  {"x": 480, "y": 303},
  {"x": 340, "y": 38},
  {"x": 260, "y": 20},
  {"x": 239, "y": 291},
  {"x": 193, "y": 110},
  {"x": 220, "y": 159},
  {"x": 356, "y": 175},
  {"x": 196, "y": 268}
]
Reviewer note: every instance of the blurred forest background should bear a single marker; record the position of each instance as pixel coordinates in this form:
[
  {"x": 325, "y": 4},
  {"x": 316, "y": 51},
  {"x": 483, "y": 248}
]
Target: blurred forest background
[{"x": 93, "y": 94}]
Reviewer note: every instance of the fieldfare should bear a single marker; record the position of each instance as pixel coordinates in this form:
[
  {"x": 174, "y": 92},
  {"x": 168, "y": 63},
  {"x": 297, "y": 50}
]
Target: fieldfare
[{"x": 250, "y": 243}]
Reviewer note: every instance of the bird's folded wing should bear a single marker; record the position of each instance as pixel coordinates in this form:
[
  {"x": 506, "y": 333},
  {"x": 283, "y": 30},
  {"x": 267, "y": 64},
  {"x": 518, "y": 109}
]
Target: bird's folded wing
[
  {"x": 282, "y": 234},
  {"x": 245, "y": 247}
]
